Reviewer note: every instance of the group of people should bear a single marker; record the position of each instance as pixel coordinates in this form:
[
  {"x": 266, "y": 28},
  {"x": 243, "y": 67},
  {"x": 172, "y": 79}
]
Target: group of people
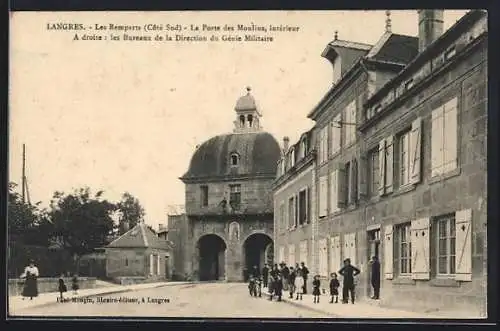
[
  {"x": 281, "y": 278},
  {"x": 30, "y": 288}
]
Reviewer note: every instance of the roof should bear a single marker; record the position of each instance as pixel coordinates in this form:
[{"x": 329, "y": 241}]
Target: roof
[
  {"x": 390, "y": 48},
  {"x": 258, "y": 153},
  {"x": 463, "y": 23},
  {"x": 247, "y": 103},
  {"x": 140, "y": 236}
]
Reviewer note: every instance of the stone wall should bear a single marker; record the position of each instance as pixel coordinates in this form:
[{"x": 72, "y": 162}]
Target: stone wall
[
  {"x": 46, "y": 285},
  {"x": 133, "y": 262}
]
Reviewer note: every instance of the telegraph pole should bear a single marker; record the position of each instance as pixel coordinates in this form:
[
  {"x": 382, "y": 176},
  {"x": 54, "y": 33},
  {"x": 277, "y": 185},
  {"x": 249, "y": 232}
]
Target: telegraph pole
[{"x": 23, "y": 180}]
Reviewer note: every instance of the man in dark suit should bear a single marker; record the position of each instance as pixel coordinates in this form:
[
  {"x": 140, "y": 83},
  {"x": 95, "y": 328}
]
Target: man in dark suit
[
  {"x": 305, "y": 272},
  {"x": 348, "y": 271},
  {"x": 265, "y": 275},
  {"x": 375, "y": 277}
]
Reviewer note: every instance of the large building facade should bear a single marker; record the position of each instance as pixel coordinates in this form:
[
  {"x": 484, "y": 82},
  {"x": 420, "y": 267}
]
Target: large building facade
[
  {"x": 228, "y": 203},
  {"x": 400, "y": 170}
]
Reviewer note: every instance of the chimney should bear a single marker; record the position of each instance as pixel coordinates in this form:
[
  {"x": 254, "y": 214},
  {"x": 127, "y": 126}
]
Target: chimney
[
  {"x": 286, "y": 144},
  {"x": 430, "y": 26}
]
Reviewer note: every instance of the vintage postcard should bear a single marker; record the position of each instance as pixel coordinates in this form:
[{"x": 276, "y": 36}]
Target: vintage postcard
[{"x": 248, "y": 164}]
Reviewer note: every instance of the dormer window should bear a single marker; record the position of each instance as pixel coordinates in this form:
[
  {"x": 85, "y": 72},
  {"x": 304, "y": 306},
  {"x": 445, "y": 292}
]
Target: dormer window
[
  {"x": 235, "y": 159},
  {"x": 292, "y": 157}
]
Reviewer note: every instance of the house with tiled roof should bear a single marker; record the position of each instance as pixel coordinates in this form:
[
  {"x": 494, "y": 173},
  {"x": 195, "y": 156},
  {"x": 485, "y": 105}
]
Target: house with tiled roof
[{"x": 138, "y": 255}]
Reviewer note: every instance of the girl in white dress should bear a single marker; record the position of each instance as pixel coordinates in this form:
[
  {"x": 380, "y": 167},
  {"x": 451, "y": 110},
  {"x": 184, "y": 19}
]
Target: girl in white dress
[{"x": 299, "y": 284}]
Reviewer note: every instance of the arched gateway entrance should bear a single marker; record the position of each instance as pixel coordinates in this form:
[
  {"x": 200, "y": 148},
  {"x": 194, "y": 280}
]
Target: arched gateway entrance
[
  {"x": 212, "y": 251},
  {"x": 257, "y": 250}
]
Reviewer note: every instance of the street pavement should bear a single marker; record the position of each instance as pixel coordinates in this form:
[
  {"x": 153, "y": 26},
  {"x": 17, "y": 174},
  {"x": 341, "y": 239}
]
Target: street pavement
[
  {"x": 212, "y": 300},
  {"x": 224, "y": 300}
]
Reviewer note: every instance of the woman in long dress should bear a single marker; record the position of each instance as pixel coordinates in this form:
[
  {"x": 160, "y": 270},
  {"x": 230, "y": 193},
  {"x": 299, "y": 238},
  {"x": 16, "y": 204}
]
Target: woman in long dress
[
  {"x": 30, "y": 285},
  {"x": 299, "y": 284}
]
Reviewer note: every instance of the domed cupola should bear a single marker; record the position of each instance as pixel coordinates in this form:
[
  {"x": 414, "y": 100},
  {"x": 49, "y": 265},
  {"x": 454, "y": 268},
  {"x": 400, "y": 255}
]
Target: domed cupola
[{"x": 247, "y": 114}]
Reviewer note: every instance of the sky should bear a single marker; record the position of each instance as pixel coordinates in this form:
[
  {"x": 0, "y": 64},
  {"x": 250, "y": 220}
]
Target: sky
[{"x": 127, "y": 115}]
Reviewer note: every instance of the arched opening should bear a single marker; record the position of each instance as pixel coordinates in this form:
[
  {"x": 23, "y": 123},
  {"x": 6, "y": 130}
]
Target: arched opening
[
  {"x": 242, "y": 121},
  {"x": 235, "y": 159},
  {"x": 250, "y": 120},
  {"x": 212, "y": 251},
  {"x": 257, "y": 250}
]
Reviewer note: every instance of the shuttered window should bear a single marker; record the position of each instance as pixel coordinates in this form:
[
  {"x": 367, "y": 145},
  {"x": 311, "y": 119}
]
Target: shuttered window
[
  {"x": 374, "y": 172},
  {"x": 445, "y": 236},
  {"x": 403, "y": 250},
  {"x": 303, "y": 252},
  {"x": 303, "y": 207},
  {"x": 334, "y": 206},
  {"x": 291, "y": 212},
  {"x": 350, "y": 124},
  {"x": 336, "y": 134},
  {"x": 323, "y": 145},
  {"x": 415, "y": 151},
  {"x": 283, "y": 224},
  {"x": 323, "y": 257},
  {"x": 335, "y": 254},
  {"x": 444, "y": 135},
  {"x": 291, "y": 255},
  {"x": 323, "y": 195},
  {"x": 151, "y": 264},
  {"x": 388, "y": 252},
  {"x": 463, "y": 238},
  {"x": 404, "y": 159}
]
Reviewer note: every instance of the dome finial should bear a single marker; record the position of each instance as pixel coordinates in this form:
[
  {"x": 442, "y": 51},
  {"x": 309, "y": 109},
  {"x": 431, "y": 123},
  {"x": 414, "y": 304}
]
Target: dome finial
[
  {"x": 388, "y": 25},
  {"x": 249, "y": 89},
  {"x": 336, "y": 37}
]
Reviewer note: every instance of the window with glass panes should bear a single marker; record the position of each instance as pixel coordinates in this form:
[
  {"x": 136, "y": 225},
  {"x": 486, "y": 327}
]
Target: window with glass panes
[
  {"x": 445, "y": 236},
  {"x": 291, "y": 212},
  {"x": 404, "y": 158},
  {"x": 404, "y": 248},
  {"x": 235, "y": 196},
  {"x": 374, "y": 172}
]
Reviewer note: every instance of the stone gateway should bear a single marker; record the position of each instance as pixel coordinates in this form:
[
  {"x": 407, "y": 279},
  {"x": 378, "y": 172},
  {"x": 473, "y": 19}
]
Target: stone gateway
[{"x": 229, "y": 205}]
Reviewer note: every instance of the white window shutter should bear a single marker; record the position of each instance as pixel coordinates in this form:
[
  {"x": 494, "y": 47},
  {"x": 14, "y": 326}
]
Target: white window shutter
[
  {"x": 381, "y": 161},
  {"x": 463, "y": 239},
  {"x": 341, "y": 186},
  {"x": 363, "y": 176},
  {"x": 388, "y": 252},
  {"x": 389, "y": 164},
  {"x": 450, "y": 146},
  {"x": 323, "y": 257},
  {"x": 437, "y": 141},
  {"x": 323, "y": 190},
  {"x": 296, "y": 219},
  {"x": 335, "y": 256},
  {"x": 291, "y": 254},
  {"x": 333, "y": 192},
  {"x": 159, "y": 264},
  {"x": 420, "y": 249},
  {"x": 416, "y": 151}
]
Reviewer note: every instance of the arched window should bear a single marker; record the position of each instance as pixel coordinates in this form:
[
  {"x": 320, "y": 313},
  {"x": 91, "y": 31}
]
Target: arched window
[
  {"x": 242, "y": 121},
  {"x": 235, "y": 159},
  {"x": 250, "y": 121}
]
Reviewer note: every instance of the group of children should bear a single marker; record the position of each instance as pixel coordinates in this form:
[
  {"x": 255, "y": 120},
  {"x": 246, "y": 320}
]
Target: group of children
[{"x": 63, "y": 288}]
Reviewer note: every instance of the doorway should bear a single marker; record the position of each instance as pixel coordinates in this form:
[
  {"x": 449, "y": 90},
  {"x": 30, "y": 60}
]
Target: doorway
[
  {"x": 212, "y": 251},
  {"x": 257, "y": 250},
  {"x": 373, "y": 250}
]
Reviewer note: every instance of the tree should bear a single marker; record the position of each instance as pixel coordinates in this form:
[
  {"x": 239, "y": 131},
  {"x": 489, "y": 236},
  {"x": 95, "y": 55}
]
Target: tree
[
  {"x": 80, "y": 221},
  {"x": 22, "y": 217},
  {"x": 131, "y": 210}
]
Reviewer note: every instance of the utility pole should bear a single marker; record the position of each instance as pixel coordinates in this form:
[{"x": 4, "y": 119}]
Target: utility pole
[{"x": 23, "y": 180}]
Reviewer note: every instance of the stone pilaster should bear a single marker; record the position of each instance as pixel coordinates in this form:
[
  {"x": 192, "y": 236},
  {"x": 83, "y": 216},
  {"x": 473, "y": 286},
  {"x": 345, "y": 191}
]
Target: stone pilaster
[{"x": 314, "y": 224}]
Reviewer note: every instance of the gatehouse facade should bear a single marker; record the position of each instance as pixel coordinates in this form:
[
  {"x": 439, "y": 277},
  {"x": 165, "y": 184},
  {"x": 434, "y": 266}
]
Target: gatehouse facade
[{"x": 228, "y": 203}]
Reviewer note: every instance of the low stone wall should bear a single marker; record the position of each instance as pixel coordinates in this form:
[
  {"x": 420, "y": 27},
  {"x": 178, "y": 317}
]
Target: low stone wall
[{"x": 50, "y": 284}]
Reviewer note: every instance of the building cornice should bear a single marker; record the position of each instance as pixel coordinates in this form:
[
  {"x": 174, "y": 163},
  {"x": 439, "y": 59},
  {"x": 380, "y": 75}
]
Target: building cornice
[{"x": 228, "y": 178}]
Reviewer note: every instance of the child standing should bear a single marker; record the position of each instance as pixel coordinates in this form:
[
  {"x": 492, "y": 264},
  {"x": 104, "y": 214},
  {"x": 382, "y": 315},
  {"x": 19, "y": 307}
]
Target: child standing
[
  {"x": 334, "y": 288},
  {"x": 316, "y": 288},
  {"x": 74, "y": 284},
  {"x": 299, "y": 284},
  {"x": 62, "y": 286}
]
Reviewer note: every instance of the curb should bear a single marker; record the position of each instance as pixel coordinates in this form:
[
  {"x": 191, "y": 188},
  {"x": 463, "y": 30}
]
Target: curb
[{"x": 123, "y": 290}]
